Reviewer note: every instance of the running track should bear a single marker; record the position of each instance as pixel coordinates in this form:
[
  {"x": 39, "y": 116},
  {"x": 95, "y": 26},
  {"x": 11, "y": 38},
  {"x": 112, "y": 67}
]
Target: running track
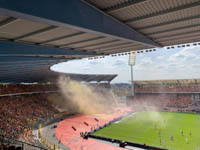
[{"x": 71, "y": 138}]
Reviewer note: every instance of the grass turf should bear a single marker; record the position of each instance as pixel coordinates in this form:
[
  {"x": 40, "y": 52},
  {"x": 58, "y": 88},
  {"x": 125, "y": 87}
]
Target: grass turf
[{"x": 144, "y": 127}]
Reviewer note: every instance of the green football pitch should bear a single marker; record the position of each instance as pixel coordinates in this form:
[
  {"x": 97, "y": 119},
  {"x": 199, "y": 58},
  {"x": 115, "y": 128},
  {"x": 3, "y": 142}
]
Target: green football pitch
[{"x": 174, "y": 131}]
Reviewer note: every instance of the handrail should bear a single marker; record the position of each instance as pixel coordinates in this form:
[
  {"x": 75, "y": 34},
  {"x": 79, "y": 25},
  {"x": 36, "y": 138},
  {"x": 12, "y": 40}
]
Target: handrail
[{"x": 4, "y": 138}]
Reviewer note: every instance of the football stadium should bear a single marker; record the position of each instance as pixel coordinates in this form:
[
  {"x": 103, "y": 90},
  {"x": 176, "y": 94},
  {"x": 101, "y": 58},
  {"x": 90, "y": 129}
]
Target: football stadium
[{"x": 42, "y": 108}]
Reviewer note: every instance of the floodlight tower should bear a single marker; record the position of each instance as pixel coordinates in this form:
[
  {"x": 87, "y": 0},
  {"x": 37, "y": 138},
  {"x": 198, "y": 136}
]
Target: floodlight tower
[{"x": 132, "y": 57}]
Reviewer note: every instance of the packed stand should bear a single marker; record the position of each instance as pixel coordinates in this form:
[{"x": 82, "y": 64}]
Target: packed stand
[
  {"x": 180, "y": 101},
  {"x": 184, "y": 97},
  {"x": 22, "y": 88},
  {"x": 18, "y": 114},
  {"x": 167, "y": 88}
]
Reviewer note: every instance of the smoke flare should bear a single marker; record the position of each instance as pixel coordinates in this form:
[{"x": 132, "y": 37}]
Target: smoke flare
[{"x": 83, "y": 98}]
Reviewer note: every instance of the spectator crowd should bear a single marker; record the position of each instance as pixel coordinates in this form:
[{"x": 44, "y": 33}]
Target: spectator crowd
[
  {"x": 161, "y": 101},
  {"x": 18, "y": 114},
  {"x": 180, "y": 97},
  {"x": 167, "y": 88},
  {"x": 23, "y": 88}
]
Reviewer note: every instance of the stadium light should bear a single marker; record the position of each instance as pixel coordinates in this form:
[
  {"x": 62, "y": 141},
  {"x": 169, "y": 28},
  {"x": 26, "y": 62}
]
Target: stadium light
[{"x": 132, "y": 58}]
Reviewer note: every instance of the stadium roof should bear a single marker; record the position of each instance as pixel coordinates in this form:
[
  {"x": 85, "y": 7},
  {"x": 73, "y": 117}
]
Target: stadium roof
[
  {"x": 166, "y": 22},
  {"x": 39, "y": 71},
  {"x": 47, "y": 32},
  {"x": 92, "y": 77},
  {"x": 168, "y": 82}
]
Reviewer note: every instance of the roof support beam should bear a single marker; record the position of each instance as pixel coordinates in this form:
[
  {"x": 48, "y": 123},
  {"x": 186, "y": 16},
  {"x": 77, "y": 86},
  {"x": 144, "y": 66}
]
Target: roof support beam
[
  {"x": 83, "y": 41},
  {"x": 17, "y": 60},
  {"x": 196, "y": 36},
  {"x": 180, "y": 42},
  {"x": 176, "y": 34},
  {"x": 101, "y": 43},
  {"x": 40, "y": 56},
  {"x": 121, "y": 47},
  {"x": 163, "y": 12},
  {"x": 23, "y": 65},
  {"x": 7, "y": 47},
  {"x": 175, "y": 29},
  {"x": 115, "y": 45},
  {"x": 126, "y": 49},
  {"x": 74, "y": 14},
  {"x": 7, "y": 21},
  {"x": 20, "y": 70},
  {"x": 35, "y": 33},
  {"x": 62, "y": 37},
  {"x": 169, "y": 22},
  {"x": 123, "y": 5}
]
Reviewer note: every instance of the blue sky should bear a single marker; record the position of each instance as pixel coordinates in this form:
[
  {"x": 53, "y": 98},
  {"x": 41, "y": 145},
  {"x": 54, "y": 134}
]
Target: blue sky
[{"x": 178, "y": 63}]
